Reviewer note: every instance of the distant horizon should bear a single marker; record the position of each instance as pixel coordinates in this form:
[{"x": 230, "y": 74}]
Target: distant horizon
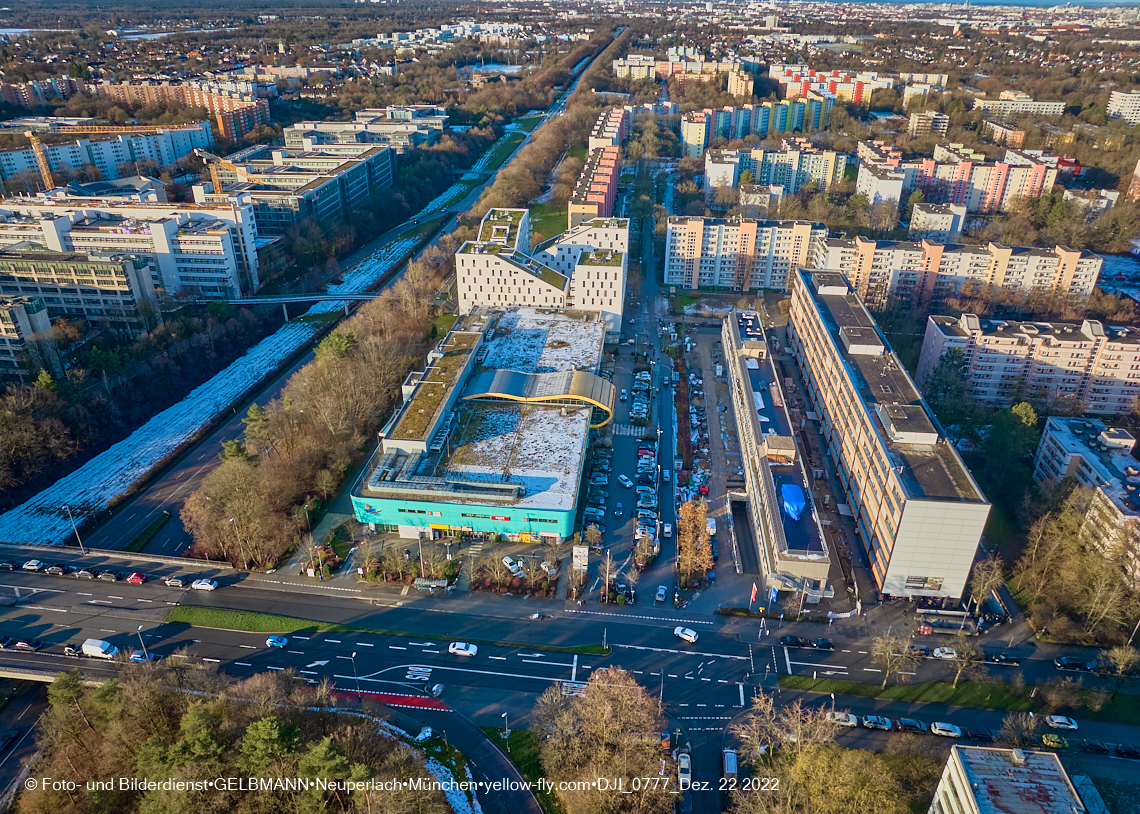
[{"x": 989, "y": 3}]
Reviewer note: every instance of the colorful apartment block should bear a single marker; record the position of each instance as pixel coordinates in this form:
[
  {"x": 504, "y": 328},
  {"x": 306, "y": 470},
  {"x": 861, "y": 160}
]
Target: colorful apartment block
[{"x": 596, "y": 192}]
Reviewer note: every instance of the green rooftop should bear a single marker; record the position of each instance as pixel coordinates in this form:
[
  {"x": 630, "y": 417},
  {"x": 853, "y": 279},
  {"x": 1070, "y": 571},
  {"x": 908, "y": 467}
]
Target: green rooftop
[
  {"x": 604, "y": 258},
  {"x": 501, "y": 226},
  {"x": 433, "y": 389}
]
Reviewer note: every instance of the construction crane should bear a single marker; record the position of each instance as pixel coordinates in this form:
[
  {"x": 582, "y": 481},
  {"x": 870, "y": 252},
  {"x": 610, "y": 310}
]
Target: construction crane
[
  {"x": 41, "y": 154},
  {"x": 214, "y": 162}
]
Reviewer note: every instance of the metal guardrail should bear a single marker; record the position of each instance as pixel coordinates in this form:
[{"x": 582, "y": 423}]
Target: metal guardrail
[
  {"x": 73, "y": 551},
  {"x": 44, "y": 676}
]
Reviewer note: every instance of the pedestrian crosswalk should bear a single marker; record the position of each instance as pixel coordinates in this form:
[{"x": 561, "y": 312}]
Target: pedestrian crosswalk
[
  {"x": 628, "y": 429},
  {"x": 476, "y": 549}
]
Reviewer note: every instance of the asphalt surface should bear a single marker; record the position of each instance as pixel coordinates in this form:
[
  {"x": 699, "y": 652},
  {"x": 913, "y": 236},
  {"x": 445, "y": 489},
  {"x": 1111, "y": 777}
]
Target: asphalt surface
[{"x": 20, "y": 714}]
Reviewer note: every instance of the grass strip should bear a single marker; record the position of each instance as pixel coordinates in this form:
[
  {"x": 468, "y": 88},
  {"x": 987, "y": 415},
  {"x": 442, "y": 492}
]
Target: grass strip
[
  {"x": 529, "y": 123},
  {"x": 996, "y": 695},
  {"x": 147, "y": 534},
  {"x": 256, "y": 622},
  {"x": 523, "y": 750}
]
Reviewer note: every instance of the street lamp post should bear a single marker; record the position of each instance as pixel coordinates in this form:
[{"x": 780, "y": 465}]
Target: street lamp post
[
  {"x": 145, "y": 654},
  {"x": 507, "y": 731},
  {"x": 355, "y": 674},
  {"x": 76, "y": 530}
]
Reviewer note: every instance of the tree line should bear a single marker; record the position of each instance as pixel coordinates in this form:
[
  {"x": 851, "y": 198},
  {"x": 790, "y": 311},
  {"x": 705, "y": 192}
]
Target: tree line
[{"x": 180, "y": 719}]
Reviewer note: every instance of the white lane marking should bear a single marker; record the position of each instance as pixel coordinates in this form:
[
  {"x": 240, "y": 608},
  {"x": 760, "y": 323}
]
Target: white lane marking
[
  {"x": 247, "y": 646},
  {"x": 864, "y": 652},
  {"x": 83, "y": 593},
  {"x": 550, "y": 663},
  {"x": 307, "y": 673},
  {"x": 871, "y": 670},
  {"x": 819, "y": 664},
  {"x": 274, "y": 668},
  {"x": 95, "y": 602},
  {"x": 109, "y": 596},
  {"x": 741, "y": 694},
  {"x": 363, "y": 644},
  {"x": 706, "y": 679},
  {"x": 333, "y": 641},
  {"x": 421, "y": 644},
  {"x": 243, "y": 664},
  {"x": 498, "y": 658},
  {"x": 346, "y": 658},
  {"x": 144, "y": 600},
  {"x": 682, "y": 652},
  {"x": 574, "y": 673},
  {"x": 453, "y": 669},
  {"x": 104, "y": 630},
  {"x": 844, "y": 651},
  {"x": 214, "y": 661},
  {"x": 529, "y": 655},
  {"x": 296, "y": 652},
  {"x": 788, "y": 661},
  {"x": 436, "y": 652},
  {"x": 396, "y": 647},
  {"x": 305, "y": 638},
  {"x": 721, "y": 681},
  {"x": 635, "y": 616},
  {"x": 671, "y": 675}
]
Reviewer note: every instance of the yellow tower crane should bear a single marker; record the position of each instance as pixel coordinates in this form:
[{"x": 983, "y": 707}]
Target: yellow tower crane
[
  {"x": 215, "y": 162},
  {"x": 41, "y": 154}
]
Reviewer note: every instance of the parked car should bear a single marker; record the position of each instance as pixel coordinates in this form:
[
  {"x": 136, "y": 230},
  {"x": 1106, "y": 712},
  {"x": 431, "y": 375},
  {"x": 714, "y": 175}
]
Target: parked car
[
  {"x": 551, "y": 569},
  {"x": 823, "y": 644},
  {"x": 1002, "y": 659},
  {"x": 877, "y": 722},
  {"x": 624, "y": 481},
  {"x": 1128, "y": 750},
  {"x": 601, "y": 529},
  {"x": 174, "y": 582},
  {"x": 513, "y": 566},
  {"x": 33, "y": 565},
  {"x": 7, "y": 566},
  {"x": 84, "y": 573},
  {"x": 110, "y": 576},
  {"x": 28, "y": 645},
  {"x": 911, "y": 725},
  {"x": 204, "y": 585},
  {"x": 1061, "y": 722},
  {"x": 684, "y": 770},
  {"x": 1095, "y": 746},
  {"x": 1069, "y": 664},
  {"x": 276, "y": 641},
  {"x": 5, "y": 642},
  {"x": 7, "y": 739},
  {"x": 945, "y": 730},
  {"x": 979, "y": 735},
  {"x": 842, "y": 718},
  {"x": 143, "y": 656},
  {"x": 136, "y": 578},
  {"x": 662, "y": 593},
  {"x": 56, "y": 569},
  {"x": 685, "y": 634},
  {"x": 918, "y": 650},
  {"x": 462, "y": 649},
  {"x": 945, "y": 653}
]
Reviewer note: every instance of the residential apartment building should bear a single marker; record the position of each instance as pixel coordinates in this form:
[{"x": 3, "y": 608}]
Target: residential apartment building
[
  {"x": 287, "y": 185},
  {"x": 611, "y": 129},
  {"x": 767, "y": 119},
  {"x": 1125, "y": 105},
  {"x": 38, "y": 92},
  {"x": 926, "y": 122},
  {"x": 911, "y": 92},
  {"x": 104, "y": 289},
  {"x": 760, "y": 202},
  {"x": 847, "y": 87},
  {"x": 596, "y": 191},
  {"x": 958, "y": 175},
  {"x": 114, "y": 156},
  {"x": 1003, "y": 133},
  {"x": 919, "y": 515},
  {"x": 1103, "y": 459},
  {"x": 1091, "y": 203},
  {"x": 211, "y": 251},
  {"x": 1040, "y": 362},
  {"x": 792, "y": 551},
  {"x": 922, "y": 274},
  {"x": 795, "y": 164},
  {"x": 985, "y": 779},
  {"x": 403, "y": 128},
  {"x": 738, "y": 254},
  {"x": 880, "y": 183},
  {"x": 25, "y": 339},
  {"x": 740, "y": 83},
  {"x": 583, "y": 269},
  {"x": 235, "y": 114},
  {"x": 938, "y": 223},
  {"x": 937, "y": 79},
  {"x": 1013, "y": 103}
]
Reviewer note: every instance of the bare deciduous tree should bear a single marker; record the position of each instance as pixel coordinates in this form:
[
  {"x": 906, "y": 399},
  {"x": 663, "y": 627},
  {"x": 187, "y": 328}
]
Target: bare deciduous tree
[{"x": 893, "y": 654}]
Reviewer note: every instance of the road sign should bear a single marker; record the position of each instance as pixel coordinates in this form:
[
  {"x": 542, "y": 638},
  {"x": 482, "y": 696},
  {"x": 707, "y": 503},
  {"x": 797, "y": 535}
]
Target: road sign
[
  {"x": 581, "y": 557},
  {"x": 577, "y": 688}
]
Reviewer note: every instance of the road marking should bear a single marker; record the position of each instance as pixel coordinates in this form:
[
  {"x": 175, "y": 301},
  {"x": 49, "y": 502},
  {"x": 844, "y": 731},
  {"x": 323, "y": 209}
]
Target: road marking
[
  {"x": 498, "y": 658},
  {"x": 303, "y": 638},
  {"x": 296, "y": 652},
  {"x": 871, "y": 670},
  {"x": 104, "y": 630},
  {"x": 171, "y": 603},
  {"x": 721, "y": 681},
  {"x": 864, "y": 652},
  {"x": 319, "y": 663},
  {"x": 333, "y": 641},
  {"x": 396, "y": 647},
  {"x": 89, "y": 602},
  {"x": 46, "y": 608},
  {"x": 788, "y": 661},
  {"x": 243, "y": 664},
  {"x": 741, "y": 694},
  {"x": 706, "y": 679},
  {"x": 844, "y": 651},
  {"x": 81, "y": 593},
  {"x": 671, "y": 675},
  {"x": 364, "y": 644},
  {"x": 109, "y": 596},
  {"x": 417, "y": 644},
  {"x": 307, "y": 673},
  {"x": 819, "y": 664},
  {"x": 681, "y": 652},
  {"x": 248, "y": 646},
  {"x": 436, "y": 652},
  {"x": 702, "y": 705},
  {"x": 346, "y": 658},
  {"x": 274, "y": 668},
  {"x": 550, "y": 663},
  {"x": 574, "y": 673},
  {"x": 530, "y": 655},
  {"x": 635, "y": 616},
  {"x": 214, "y": 661}
]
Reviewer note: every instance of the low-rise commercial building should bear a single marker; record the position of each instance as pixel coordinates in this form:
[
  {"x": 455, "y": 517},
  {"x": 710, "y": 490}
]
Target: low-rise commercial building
[
  {"x": 105, "y": 289},
  {"x": 403, "y": 128},
  {"x": 211, "y": 251},
  {"x": 988, "y": 779},
  {"x": 919, "y": 515},
  {"x": 922, "y": 274},
  {"x": 925, "y": 122},
  {"x": 796, "y": 163},
  {"x": 939, "y": 223},
  {"x": 738, "y": 254},
  {"x": 1090, "y": 363},
  {"x": 792, "y": 550},
  {"x": 583, "y": 269},
  {"x": 287, "y": 185},
  {"x": 491, "y": 436},
  {"x": 25, "y": 339},
  {"x": 1103, "y": 459},
  {"x": 595, "y": 194}
]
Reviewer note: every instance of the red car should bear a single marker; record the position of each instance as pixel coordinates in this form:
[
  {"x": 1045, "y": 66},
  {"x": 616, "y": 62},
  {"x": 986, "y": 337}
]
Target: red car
[{"x": 136, "y": 579}]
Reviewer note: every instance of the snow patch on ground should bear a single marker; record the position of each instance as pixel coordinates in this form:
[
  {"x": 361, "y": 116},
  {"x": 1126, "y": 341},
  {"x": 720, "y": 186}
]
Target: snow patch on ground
[
  {"x": 91, "y": 488},
  {"x": 704, "y": 308},
  {"x": 449, "y": 196},
  {"x": 456, "y": 797},
  {"x": 539, "y": 342},
  {"x": 536, "y": 446}
]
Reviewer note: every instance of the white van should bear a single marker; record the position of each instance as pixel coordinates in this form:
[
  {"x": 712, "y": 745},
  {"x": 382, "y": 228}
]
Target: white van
[
  {"x": 667, "y": 530},
  {"x": 665, "y": 475}
]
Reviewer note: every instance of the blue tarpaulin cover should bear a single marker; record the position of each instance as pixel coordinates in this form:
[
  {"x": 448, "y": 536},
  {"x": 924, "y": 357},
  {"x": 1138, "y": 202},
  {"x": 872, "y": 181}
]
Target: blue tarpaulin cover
[{"x": 794, "y": 501}]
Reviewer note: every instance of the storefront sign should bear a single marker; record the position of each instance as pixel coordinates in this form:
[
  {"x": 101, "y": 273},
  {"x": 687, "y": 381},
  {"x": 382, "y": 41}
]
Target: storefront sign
[{"x": 581, "y": 557}]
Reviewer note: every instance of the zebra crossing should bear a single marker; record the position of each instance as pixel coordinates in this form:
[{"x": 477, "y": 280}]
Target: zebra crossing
[
  {"x": 628, "y": 429},
  {"x": 476, "y": 549}
]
